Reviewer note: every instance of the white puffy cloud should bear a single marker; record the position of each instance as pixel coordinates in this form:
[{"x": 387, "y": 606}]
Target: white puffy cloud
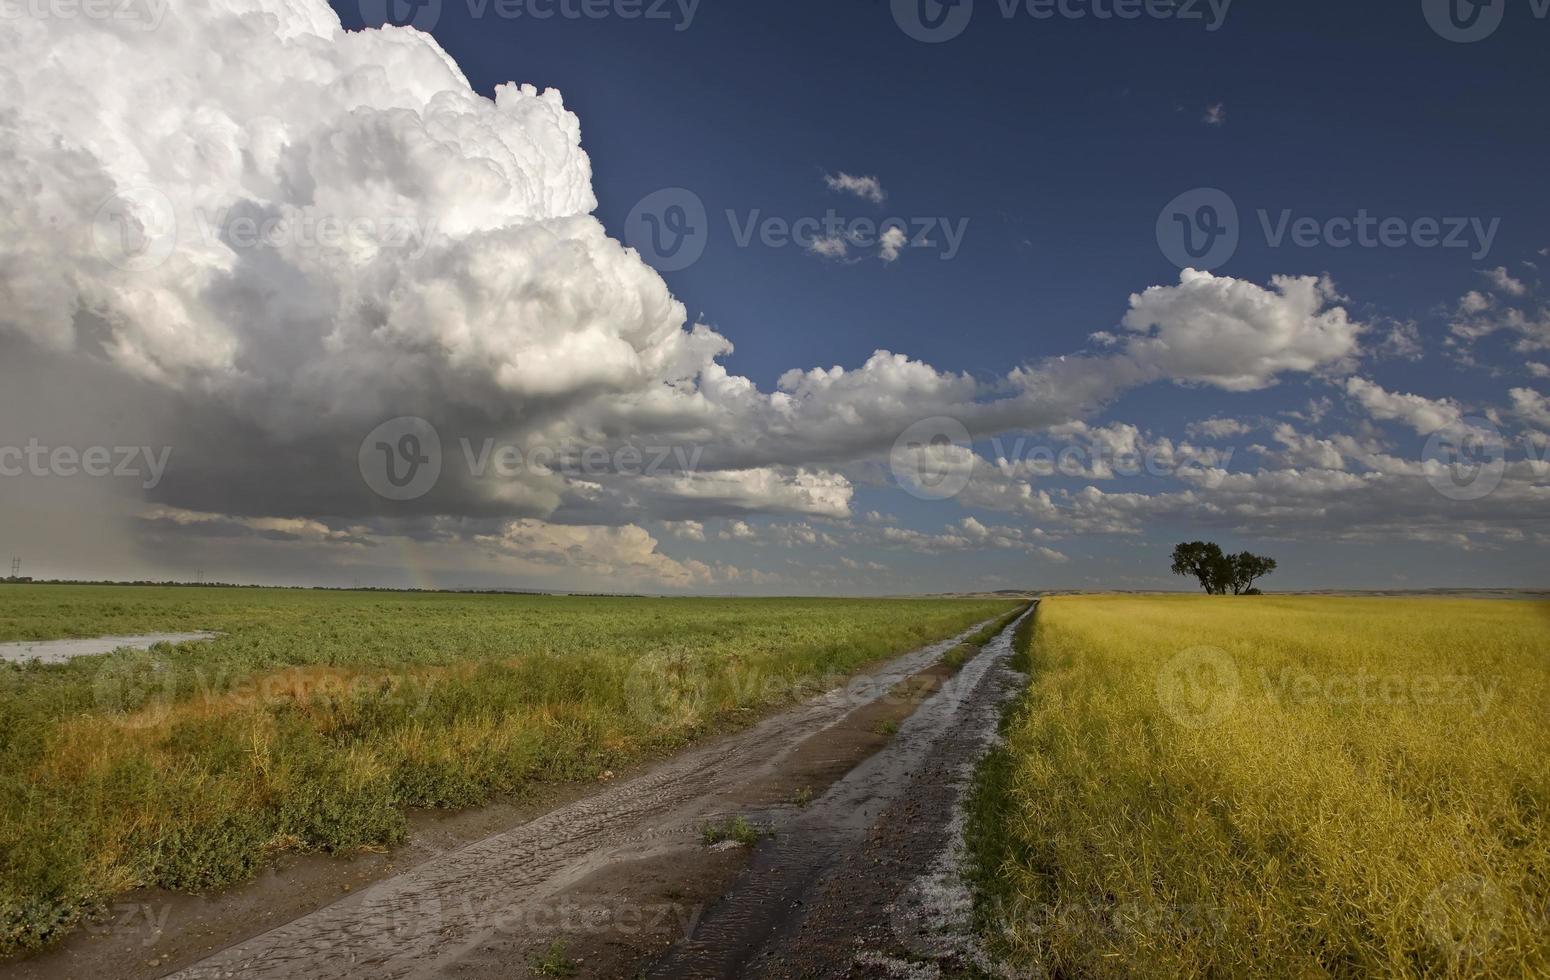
[
  {"x": 1238, "y": 335},
  {"x": 1505, "y": 282},
  {"x": 830, "y": 246},
  {"x": 1424, "y": 415},
  {"x": 738, "y": 531},
  {"x": 867, "y": 188},
  {"x": 1481, "y": 315},
  {"x": 1531, "y": 406},
  {"x": 892, "y": 243},
  {"x": 620, "y": 554},
  {"x": 1219, "y": 428},
  {"x": 345, "y": 222},
  {"x": 687, "y": 530}
]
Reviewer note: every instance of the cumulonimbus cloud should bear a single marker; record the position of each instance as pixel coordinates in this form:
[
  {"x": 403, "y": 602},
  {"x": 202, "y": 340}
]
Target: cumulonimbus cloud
[{"x": 301, "y": 231}]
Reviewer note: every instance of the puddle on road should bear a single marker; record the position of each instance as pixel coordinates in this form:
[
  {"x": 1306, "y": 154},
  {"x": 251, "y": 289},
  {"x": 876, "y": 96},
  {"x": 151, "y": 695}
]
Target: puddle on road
[
  {"x": 814, "y": 893},
  {"x": 62, "y": 651}
]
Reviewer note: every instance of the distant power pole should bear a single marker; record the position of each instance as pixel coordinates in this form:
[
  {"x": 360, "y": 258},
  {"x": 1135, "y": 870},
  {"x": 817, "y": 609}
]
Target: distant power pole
[
  {"x": 199, "y": 577},
  {"x": 16, "y": 568}
]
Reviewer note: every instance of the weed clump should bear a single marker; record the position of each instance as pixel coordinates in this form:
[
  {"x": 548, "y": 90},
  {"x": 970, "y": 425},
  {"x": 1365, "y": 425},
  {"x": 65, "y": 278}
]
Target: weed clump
[{"x": 737, "y": 829}]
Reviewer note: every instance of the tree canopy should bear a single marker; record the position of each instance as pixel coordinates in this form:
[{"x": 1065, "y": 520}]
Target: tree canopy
[{"x": 1218, "y": 572}]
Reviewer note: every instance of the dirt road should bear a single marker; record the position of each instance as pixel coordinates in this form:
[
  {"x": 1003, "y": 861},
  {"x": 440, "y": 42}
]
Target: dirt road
[{"x": 853, "y": 794}]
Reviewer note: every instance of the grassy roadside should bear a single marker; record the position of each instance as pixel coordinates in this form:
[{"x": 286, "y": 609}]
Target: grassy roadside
[
  {"x": 322, "y": 716},
  {"x": 1279, "y": 787},
  {"x": 970, "y": 648}
]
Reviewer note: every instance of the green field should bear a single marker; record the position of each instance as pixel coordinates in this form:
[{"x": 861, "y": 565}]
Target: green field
[
  {"x": 1290, "y": 787},
  {"x": 319, "y": 717}
]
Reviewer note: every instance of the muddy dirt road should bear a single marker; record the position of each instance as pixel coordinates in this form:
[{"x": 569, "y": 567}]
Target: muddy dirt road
[
  {"x": 853, "y": 795},
  {"x": 862, "y": 883}
]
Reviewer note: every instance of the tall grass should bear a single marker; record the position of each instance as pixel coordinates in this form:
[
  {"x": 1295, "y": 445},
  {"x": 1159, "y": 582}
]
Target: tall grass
[
  {"x": 1197, "y": 786},
  {"x": 319, "y": 717}
]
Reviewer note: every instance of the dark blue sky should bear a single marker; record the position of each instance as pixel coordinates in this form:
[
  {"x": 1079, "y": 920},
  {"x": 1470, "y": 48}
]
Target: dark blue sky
[{"x": 1059, "y": 140}]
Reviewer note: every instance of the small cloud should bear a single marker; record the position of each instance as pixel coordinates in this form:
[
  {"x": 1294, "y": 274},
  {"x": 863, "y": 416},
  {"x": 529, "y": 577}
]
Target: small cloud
[
  {"x": 830, "y": 246},
  {"x": 737, "y": 531},
  {"x": 1403, "y": 341},
  {"x": 1504, "y": 282},
  {"x": 1219, "y": 428},
  {"x": 1216, "y": 115},
  {"x": 686, "y": 530},
  {"x": 892, "y": 243},
  {"x": 1539, "y": 370},
  {"x": 869, "y": 188}
]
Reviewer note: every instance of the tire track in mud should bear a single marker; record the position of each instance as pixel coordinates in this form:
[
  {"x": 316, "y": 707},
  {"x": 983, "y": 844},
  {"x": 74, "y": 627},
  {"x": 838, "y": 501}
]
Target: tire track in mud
[
  {"x": 848, "y": 883},
  {"x": 451, "y": 912}
]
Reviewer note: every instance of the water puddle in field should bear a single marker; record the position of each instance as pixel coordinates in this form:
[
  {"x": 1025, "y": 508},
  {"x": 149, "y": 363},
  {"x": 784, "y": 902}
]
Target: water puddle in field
[{"x": 63, "y": 651}]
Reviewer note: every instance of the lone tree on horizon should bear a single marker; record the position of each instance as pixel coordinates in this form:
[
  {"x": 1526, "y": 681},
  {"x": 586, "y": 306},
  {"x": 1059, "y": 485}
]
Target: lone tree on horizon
[{"x": 1218, "y": 572}]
